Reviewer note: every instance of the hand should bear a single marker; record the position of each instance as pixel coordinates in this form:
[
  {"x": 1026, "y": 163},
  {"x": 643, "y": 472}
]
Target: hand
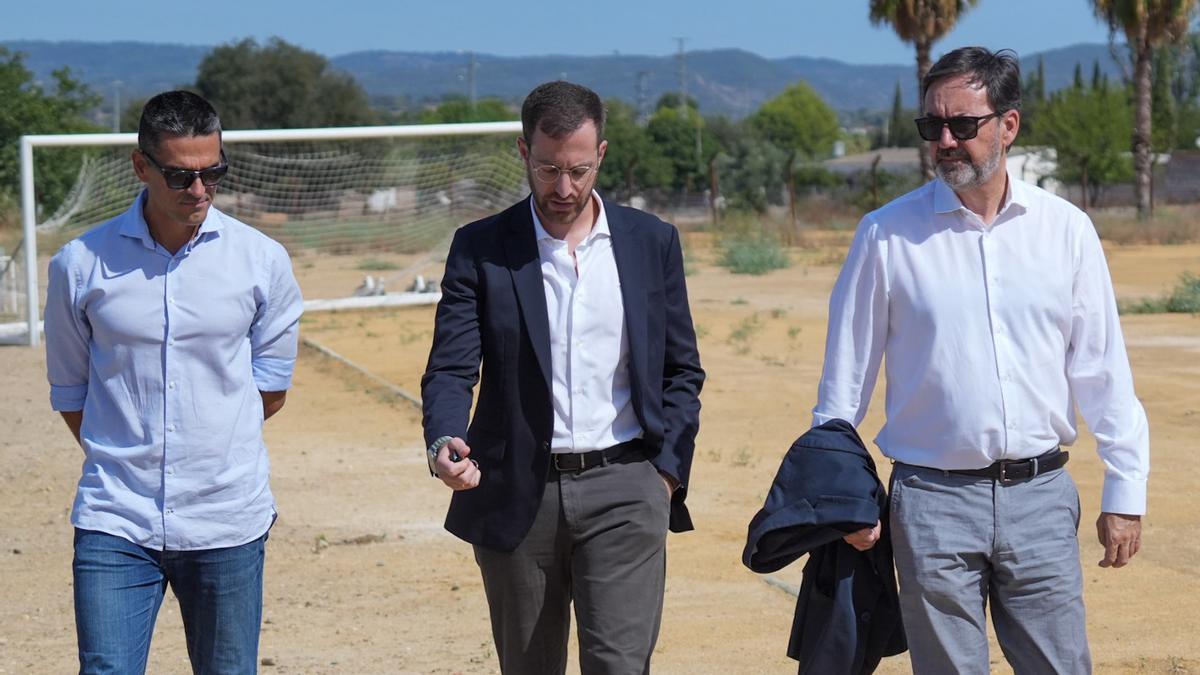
[
  {"x": 461, "y": 475},
  {"x": 670, "y": 483},
  {"x": 1121, "y": 537},
  {"x": 865, "y": 538}
]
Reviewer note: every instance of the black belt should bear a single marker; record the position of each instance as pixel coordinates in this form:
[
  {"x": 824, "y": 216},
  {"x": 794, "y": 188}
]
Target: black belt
[
  {"x": 1012, "y": 470},
  {"x": 575, "y": 462}
]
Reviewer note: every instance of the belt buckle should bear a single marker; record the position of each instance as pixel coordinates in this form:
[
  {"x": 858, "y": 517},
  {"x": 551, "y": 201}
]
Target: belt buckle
[
  {"x": 1005, "y": 480},
  {"x": 572, "y": 469}
]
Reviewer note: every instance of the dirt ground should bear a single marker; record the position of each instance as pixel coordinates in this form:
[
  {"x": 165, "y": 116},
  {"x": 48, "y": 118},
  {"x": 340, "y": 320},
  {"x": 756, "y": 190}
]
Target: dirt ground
[{"x": 361, "y": 577}]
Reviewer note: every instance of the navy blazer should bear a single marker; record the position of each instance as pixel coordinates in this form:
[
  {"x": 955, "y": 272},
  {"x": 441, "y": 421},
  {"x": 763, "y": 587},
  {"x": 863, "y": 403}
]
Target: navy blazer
[
  {"x": 493, "y": 312},
  {"x": 848, "y": 613}
]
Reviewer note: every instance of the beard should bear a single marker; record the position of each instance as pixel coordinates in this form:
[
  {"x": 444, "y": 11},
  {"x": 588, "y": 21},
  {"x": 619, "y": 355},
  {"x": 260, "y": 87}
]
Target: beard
[
  {"x": 555, "y": 214},
  {"x": 961, "y": 172}
]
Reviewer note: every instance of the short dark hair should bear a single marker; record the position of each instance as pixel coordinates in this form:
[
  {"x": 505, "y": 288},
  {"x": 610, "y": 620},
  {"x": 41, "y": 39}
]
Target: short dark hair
[
  {"x": 175, "y": 113},
  {"x": 559, "y": 108},
  {"x": 998, "y": 72}
]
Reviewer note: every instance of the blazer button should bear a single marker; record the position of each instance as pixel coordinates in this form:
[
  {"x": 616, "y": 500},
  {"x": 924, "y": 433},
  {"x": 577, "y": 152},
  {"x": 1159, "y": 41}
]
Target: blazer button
[{"x": 545, "y": 445}]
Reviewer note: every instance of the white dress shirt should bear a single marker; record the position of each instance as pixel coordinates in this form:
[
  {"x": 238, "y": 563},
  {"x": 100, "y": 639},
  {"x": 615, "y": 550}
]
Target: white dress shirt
[
  {"x": 589, "y": 348},
  {"x": 992, "y": 336}
]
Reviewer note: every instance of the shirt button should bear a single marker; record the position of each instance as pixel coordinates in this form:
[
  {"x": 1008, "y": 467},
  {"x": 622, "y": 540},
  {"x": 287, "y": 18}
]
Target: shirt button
[
  {"x": 171, "y": 341},
  {"x": 171, "y": 385},
  {"x": 171, "y": 427}
]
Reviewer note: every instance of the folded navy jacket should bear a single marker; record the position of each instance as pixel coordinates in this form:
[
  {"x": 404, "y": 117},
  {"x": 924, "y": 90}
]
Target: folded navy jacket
[{"x": 848, "y": 612}]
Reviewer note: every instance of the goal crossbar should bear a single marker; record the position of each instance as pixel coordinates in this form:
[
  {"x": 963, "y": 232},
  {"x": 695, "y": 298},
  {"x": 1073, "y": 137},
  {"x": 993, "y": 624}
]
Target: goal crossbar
[{"x": 28, "y": 143}]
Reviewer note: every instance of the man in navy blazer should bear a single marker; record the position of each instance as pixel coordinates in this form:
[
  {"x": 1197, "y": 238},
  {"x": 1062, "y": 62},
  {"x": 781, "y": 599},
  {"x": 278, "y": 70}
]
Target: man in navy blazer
[{"x": 576, "y": 459}]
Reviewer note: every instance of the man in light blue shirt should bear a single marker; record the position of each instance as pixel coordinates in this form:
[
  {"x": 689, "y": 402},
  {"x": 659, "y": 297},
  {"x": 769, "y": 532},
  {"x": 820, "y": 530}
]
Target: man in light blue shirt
[{"x": 171, "y": 335}]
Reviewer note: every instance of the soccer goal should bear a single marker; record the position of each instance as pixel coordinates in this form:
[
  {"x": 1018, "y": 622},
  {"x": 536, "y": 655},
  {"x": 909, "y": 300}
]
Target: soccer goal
[{"x": 366, "y": 212}]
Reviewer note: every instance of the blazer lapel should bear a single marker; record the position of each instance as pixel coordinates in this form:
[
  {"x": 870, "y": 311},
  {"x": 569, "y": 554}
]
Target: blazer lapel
[
  {"x": 630, "y": 254},
  {"x": 526, "y": 267}
]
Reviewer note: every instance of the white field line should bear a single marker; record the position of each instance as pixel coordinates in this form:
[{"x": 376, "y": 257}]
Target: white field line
[{"x": 395, "y": 389}]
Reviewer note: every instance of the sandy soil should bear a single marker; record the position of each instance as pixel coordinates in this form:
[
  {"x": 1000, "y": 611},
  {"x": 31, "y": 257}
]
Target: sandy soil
[{"x": 361, "y": 577}]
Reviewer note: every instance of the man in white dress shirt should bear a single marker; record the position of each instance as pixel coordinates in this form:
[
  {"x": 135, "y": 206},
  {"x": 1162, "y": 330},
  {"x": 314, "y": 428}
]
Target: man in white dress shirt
[
  {"x": 576, "y": 459},
  {"x": 993, "y": 304}
]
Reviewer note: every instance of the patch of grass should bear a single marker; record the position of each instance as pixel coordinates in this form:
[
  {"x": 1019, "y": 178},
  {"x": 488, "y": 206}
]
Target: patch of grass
[
  {"x": 376, "y": 265},
  {"x": 752, "y": 254},
  {"x": 739, "y": 301},
  {"x": 746, "y": 328},
  {"x": 742, "y": 457},
  {"x": 1183, "y": 299},
  {"x": 1171, "y": 225},
  {"x": 701, "y": 331},
  {"x": 778, "y": 313}
]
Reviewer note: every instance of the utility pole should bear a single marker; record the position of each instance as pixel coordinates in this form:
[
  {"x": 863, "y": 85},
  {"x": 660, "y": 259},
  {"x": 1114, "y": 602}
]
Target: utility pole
[
  {"x": 681, "y": 70},
  {"x": 642, "y": 105},
  {"x": 116, "y": 113},
  {"x": 471, "y": 80}
]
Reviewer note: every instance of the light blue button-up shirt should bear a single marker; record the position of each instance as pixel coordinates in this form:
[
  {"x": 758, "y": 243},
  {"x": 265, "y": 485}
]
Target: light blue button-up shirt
[{"x": 165, "y": 355}]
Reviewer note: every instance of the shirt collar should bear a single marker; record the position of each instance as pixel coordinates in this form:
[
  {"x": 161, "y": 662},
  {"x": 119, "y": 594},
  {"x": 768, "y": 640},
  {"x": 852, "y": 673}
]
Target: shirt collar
[
  {"x": 600, "y": 228},
  {"x": 946, "y": 201},
  {"x": 134, "y": 225}
]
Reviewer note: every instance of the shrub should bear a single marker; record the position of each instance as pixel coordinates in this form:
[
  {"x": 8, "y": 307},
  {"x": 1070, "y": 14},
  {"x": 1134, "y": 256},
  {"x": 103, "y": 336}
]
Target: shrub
[
  {"x": 1184, "y": 299},
  {"x": 752, "y": 254}
]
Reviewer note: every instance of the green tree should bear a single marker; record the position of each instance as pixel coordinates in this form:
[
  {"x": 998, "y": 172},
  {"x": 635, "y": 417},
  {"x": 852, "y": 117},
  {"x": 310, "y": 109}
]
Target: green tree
[
  {"x": 1164, "y": 113},
  {"x": 631, "y": 162},
  {"x": 1146, "y": 24},
  {"x": 921, "y": 23},
  {"x": 671, "y": 99},
  {"x": 29, "y": 108},
  {"x": 799, "y": 122},
  {"x": 458, "y": 109},
  {"x": 679, "y": 136},
  {"x": 1089, "y": 129},
  {"x": 1033, "y": 101},
  {"x": 901, "y": 131},
  {"x": 279, "y": 85}
]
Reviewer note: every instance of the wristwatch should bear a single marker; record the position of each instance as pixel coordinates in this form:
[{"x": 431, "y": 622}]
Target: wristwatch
[{"x": 431, "y": 453}]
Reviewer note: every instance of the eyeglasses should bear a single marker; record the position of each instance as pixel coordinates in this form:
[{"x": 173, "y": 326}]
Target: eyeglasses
[
  {"x": 549, "y": 173},
  {"x": 962, "y": 127},
  {"x": 182, "y": 179}
]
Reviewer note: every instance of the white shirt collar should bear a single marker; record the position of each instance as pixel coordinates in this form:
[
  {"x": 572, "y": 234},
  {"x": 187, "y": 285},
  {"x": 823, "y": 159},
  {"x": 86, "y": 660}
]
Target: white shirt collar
[
  {"x": 600, "y": 228},
  {"x": 945, "y": 200}
]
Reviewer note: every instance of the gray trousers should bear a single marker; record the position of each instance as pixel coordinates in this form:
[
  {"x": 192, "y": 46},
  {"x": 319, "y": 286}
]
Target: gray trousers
[
  {"x": 962, "y": 541},
  {"x": 599, "y": 539}
]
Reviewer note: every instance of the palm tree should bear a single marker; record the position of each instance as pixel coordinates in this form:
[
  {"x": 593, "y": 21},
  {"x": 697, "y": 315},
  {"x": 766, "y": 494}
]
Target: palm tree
[
  {"x": 1147, "y": 23},
  {"x": 920, "y": 22}
]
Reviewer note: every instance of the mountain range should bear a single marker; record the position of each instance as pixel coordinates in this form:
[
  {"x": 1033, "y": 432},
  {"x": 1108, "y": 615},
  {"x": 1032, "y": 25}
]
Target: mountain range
[{"x": 732, "y": 82}]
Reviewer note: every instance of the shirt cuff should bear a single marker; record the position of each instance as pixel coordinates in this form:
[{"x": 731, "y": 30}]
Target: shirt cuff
[
  {"x": 67, "y": 398},
  {"x": 272, "y": 373},
  {"x": 1126, "y": 497},
  {"x": 820, "y": 418}
]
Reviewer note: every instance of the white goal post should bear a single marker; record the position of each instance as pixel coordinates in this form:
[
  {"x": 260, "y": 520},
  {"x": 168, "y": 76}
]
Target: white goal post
[{"x": 336, "y": 190}]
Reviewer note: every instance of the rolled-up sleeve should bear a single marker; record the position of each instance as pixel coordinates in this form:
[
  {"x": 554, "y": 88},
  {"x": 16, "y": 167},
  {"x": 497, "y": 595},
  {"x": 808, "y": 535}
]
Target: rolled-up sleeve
[
  {"x": 276, "y": 328},
  {"x": 68, "y": 336}
]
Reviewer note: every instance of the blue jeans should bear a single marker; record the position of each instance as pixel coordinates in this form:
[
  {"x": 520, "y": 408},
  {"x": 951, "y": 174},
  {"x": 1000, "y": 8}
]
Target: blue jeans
[{"x": 119, "y": 588}]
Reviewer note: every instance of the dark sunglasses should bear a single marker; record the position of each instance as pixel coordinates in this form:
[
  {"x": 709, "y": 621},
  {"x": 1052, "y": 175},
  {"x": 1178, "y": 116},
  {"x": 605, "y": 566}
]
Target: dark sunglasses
[
  {"x": 962, "y": 127},
  {"x": 182, "y": 179}
]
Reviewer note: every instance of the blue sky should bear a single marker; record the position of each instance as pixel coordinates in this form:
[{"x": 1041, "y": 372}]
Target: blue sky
[{"x": 836, "y": 29}]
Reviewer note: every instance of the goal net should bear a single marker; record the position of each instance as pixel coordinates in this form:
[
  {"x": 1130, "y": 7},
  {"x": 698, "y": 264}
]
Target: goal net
[{"x": 366, "y": 212}]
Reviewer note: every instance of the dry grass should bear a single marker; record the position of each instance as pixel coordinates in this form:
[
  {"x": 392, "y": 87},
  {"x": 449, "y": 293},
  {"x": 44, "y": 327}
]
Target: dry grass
[{"x": 1171, "y": 225}]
